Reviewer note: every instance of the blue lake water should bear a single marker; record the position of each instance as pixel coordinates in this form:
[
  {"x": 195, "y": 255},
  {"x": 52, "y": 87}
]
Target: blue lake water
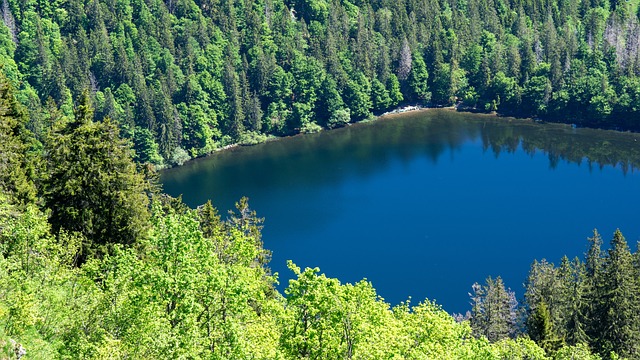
[{"x": 427, "y": 203}]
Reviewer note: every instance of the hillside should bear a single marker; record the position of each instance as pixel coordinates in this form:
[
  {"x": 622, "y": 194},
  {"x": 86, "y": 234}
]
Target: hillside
[{"x": 184, "y": 77}]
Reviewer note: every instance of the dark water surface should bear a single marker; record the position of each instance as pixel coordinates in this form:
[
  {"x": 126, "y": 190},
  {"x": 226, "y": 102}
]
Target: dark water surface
[{"x": 425, "y": 204}]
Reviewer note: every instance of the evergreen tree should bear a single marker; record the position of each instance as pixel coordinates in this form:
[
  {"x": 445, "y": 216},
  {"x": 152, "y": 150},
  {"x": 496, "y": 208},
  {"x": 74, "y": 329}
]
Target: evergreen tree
[
  {"x": 357, "y": 99},
  {"x": 418, "y": 77},
  {"x": 235, "y": 115},
  {"x": 329, "y": 100},
  {"x": 236, "y": 60},
  {"x": 493, "y": 312},
  {"x": 93, "y": 187},
  {"x": 146, "y": 149},
  {"x": 16, "y": 164},
  {"x": 594, "y": 259},
  {"x": 577, "y": 305},
  {"x": 543, "y": 287},
  {"x": 540, "y": 329},
  {"x": 619, "y": 305},
  {"x": 379, "y": 96},
  {"x": 395, "y": 95}
]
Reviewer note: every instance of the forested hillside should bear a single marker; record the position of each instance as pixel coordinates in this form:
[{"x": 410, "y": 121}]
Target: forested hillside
[
  {"x": 95, "y": 263},
  {"x": 184, "y": 77}
]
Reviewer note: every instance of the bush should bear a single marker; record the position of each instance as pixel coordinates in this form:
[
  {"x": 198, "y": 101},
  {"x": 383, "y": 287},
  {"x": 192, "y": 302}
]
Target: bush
[
  {"x": 310, "y": 127},
  {"x": 179, "y": 156},
  {"x": 339, "y": 118},
  {"x": 252, "y": 138}
]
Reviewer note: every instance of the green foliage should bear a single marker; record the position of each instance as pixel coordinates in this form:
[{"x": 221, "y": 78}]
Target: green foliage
[
  {"x": 16, "y": 163},
  {"x": 252, "y": 138},
  {"x": 92, "y": 185},
  {"x": 89, "y": 269},
  {"x": 493, "y": 312},
  {"x": 198, "y": 287},
  {"x": 339, "y": 118},
  {"x": 329, "y": 101},
  {"x": 618, "y": 308},
  {"x": 379, "y": 96},
  {"x": 301, "y": 117},
  {"x": 505, "y": 91},
  {"x": 310, "y": 128},
  {"x": 146, "y": 149},
  {"x": 580, "y": 351},
  {"x": 539, "y": 328},
  {"x": 357, "y": 98},
  {"x": 395, "y": 95},
  {"x": 418, "y": 79},
  {"x": 536, "y": 94},
  {"x": 592, "y": 304},
  {"x": 179, "y": 156},
  {"x": 330, "y": 320},
  {"x": 199, "y": 129},
  {"x": 198, "y": 73},
  {"x": 442, "y": 91}
]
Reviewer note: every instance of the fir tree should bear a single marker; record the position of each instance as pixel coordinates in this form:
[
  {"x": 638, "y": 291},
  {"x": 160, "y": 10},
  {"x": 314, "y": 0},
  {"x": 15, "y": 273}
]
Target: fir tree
[
  {"x": 619, "y": 305},
  {"x": 493, "y": 312},
  {"x": 93, "y": 187}
]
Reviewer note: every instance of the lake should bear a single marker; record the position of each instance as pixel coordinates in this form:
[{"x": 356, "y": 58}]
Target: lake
[{"x": 426, "y": 203}]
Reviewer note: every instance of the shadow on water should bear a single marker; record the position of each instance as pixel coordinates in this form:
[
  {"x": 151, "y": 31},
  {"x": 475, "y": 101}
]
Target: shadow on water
[
  {"x": 426, "y": 203},
  {"x": 363, "y": 149}
]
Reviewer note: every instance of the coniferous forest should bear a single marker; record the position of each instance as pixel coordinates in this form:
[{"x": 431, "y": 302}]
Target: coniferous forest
[
  {"x": 96, "y": 95},
  {"x": 181, "y": 78}
]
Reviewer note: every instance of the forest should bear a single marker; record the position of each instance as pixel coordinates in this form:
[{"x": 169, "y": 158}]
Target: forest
[
  {"x": 97, "y": 263},
  {"x": 182, "y": 78},
  {"x": 97, "y": 95}
]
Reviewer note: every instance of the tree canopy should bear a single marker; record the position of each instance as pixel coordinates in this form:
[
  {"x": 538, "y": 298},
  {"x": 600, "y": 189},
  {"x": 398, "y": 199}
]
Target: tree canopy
[{"x": 184, "y": 77}]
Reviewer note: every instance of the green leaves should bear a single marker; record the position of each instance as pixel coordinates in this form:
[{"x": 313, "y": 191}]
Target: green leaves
[
  {"x": 198, "y": 287},
  {"x": 16, "y": 163},
  {"x": 418, "y": 79},
  {"x": 493, "y": 312},
  {"x": 329, "y": 320},
  {"x": 92, "y": 185},
  {"x": 594, "y": 303},
  {"x": 209, "y": 73}
]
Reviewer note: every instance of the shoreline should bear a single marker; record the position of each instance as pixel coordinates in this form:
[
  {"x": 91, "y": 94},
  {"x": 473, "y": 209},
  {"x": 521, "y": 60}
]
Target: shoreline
[
  {"x": 393, "y": 113},
  {"x": 398, "y": 112}
]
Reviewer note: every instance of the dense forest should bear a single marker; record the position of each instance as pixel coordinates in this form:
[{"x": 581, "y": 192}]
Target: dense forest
[
  {"x": 592, "y": 302},
  {"x": 181, "y": 78}
]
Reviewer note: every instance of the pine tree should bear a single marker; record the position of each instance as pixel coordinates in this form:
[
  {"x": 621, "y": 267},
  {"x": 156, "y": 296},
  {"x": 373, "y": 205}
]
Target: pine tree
[
  {"x": 379, "y": 96},
  {"x": 594, "y": 263},
  {"x": 329, "y": 100},
  {"x": 576, "y": 319},
  {"x": 594, "y": 260},
  {"x": 493, "y": 314},
  {"x": 235, "y": 114},
  {"x": 540, "y": 329},
  {"x": 418, "y": 77},
  {"x": 210, "y": 222},
  {"x": 619, "y": 306},
  {"x": 93, "y": 187},
  {"x": 16, "y": 167},
  {"x": 395, "y": 95}
]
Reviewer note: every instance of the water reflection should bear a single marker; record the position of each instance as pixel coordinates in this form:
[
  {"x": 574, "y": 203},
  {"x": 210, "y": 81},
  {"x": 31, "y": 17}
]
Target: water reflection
[
  {"x": 426, "y": 203},
  {"x": 363, "y": 149}
]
